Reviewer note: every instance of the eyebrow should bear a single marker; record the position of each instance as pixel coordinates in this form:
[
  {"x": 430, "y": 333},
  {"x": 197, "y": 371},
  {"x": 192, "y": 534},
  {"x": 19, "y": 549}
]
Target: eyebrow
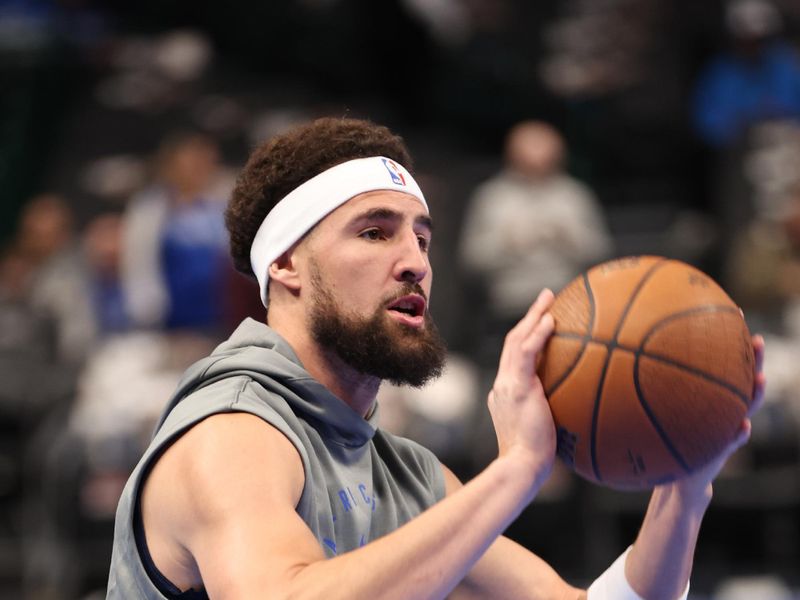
[{"x": 388, "y": 214}]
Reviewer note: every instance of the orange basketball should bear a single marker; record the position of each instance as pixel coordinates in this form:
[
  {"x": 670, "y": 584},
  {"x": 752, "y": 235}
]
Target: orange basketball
[{"x": 649, "y": 372}]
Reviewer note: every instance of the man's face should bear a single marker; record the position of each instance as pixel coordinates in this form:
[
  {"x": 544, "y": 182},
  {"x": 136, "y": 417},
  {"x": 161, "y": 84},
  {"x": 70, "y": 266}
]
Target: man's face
[{"x": 369, "y": 277}]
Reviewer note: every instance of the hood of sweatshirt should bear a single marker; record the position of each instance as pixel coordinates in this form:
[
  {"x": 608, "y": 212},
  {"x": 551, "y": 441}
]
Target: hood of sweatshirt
[{"x": 256, "y": 351}]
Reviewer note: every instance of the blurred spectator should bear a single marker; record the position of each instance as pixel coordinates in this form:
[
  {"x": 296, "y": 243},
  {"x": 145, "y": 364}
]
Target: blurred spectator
[
  {"x": 45, "y": 228},
  {"x": 757, "y": 80},
  {"x": 46, "y": 243},
  {"x": 79, "y": 289},
  {"x": 32, "y": 337},
  {"x": 175, "y": 243},
  {"x": 764, "y": 267},
  {"x": 532, "y": 225}
]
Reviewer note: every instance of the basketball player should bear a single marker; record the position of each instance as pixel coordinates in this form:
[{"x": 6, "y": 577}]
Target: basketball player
[{"x": 269, "y": 477}]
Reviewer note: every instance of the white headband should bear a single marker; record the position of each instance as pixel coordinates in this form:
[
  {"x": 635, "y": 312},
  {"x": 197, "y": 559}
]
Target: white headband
[{"x": 306, "y": 205}]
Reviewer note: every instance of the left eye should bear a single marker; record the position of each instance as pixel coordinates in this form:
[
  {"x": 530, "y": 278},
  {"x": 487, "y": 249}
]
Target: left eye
[
  {"x": 371, "y": 234},
  {"x": 424, "y": 243}
]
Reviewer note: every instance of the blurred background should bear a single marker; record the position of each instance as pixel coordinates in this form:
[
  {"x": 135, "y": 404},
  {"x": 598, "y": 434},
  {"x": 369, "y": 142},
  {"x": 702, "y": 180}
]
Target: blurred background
[{"x": 548, "y": 135}]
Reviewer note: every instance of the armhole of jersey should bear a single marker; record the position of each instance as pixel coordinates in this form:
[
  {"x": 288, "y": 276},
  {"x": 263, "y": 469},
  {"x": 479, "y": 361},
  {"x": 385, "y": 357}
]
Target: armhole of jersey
[{"x": 157, "y": 578}]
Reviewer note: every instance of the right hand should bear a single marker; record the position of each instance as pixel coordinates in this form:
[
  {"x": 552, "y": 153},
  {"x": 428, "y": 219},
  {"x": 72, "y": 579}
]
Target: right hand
[{"x": 520, "y": 411}]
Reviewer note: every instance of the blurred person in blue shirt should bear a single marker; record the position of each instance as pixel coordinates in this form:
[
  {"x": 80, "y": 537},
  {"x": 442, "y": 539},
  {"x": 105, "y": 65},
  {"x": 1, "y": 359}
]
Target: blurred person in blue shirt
[
  {"x": 175, "y": 243},
  {"x": 756, "y": 81}
]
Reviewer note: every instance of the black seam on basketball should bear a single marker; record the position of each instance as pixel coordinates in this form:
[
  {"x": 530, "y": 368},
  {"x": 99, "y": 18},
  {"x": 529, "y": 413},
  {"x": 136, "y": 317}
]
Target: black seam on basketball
[
  {"x": 662, "y": 359},
  {"x": 584, "y": 338},
  {"x": 654, "y": 419},
  {"x": 698, "y": 373},
  {"x": 595, "y": 413},
  {"x": 743, "y": 396},
  {"x": 635, "y": 294},
  {"x": 612, "y": 345}
]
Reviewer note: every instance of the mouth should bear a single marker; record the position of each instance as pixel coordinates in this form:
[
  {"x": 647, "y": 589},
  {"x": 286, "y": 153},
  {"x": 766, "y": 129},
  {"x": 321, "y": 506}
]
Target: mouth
[{"x": 409, "y": 309}]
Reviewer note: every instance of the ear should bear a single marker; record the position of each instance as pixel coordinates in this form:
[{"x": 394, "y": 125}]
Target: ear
[{"x": 283, "y": 271}]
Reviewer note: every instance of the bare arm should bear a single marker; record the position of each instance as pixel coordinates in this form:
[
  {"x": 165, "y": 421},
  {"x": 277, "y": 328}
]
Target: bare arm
[
  {"x": 236, "y": 518},
  {"x": 510, "y": 571}
]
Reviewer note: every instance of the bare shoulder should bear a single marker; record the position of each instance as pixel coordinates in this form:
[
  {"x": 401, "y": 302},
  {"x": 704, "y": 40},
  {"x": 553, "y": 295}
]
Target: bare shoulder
[
  {"x": 229, "y": 452},
  {"x": 228, "y": 467}
]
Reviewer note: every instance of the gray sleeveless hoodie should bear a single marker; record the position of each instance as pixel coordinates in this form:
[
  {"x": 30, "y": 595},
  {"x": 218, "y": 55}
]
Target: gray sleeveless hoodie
[{"x": 360, "y": 482}]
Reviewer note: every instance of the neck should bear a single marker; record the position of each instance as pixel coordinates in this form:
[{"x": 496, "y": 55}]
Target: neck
[{"x": 355, "y": 389}]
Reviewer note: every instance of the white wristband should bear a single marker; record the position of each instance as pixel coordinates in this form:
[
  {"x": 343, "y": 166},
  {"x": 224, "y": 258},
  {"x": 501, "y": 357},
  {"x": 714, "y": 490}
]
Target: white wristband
[{"x": 613, "y": 585}]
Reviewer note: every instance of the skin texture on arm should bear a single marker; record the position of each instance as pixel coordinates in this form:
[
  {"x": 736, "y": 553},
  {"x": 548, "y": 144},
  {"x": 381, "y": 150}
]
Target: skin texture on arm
[
  {"x": 510, "y": 571},
  {"x": 241, "y": 533}
]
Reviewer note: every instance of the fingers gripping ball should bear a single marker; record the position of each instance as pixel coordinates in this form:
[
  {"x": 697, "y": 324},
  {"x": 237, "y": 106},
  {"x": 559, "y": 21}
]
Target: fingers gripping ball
[{"x": 649, "y": 372}]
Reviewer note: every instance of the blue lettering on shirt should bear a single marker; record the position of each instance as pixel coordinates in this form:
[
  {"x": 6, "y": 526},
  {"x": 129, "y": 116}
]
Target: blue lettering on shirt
[
  {"x": 363, "y": 489},
  {"x": 330, "y": 544},
  {"x": 350, "y": 501},
  {"x": 345, "y": 500}
]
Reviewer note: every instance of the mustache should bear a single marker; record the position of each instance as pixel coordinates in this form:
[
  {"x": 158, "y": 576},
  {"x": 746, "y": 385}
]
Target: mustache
[{"x": 405, "y": 290}]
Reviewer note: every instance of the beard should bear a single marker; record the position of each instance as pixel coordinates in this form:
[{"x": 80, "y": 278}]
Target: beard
[{"x": 376, "y": 345}]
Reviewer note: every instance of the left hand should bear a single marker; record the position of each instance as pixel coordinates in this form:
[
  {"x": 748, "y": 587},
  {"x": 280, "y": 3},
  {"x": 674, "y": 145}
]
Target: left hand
[{"x": 697, "y": 486}]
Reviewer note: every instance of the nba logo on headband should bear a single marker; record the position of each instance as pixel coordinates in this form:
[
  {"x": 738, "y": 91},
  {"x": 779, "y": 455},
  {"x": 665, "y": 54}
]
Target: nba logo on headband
[{"x": 394, "y": 172}]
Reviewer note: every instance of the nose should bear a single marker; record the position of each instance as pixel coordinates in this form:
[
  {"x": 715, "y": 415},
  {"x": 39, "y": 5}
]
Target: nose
[{"x": 412, "y": 264}]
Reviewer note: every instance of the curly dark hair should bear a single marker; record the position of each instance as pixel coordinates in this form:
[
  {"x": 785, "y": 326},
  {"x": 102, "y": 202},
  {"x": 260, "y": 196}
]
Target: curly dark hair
[{"x": 284, "y": 162}]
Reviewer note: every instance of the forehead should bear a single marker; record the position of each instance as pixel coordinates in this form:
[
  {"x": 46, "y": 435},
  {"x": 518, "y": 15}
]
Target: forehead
[{"x": 404, "y": 206}]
